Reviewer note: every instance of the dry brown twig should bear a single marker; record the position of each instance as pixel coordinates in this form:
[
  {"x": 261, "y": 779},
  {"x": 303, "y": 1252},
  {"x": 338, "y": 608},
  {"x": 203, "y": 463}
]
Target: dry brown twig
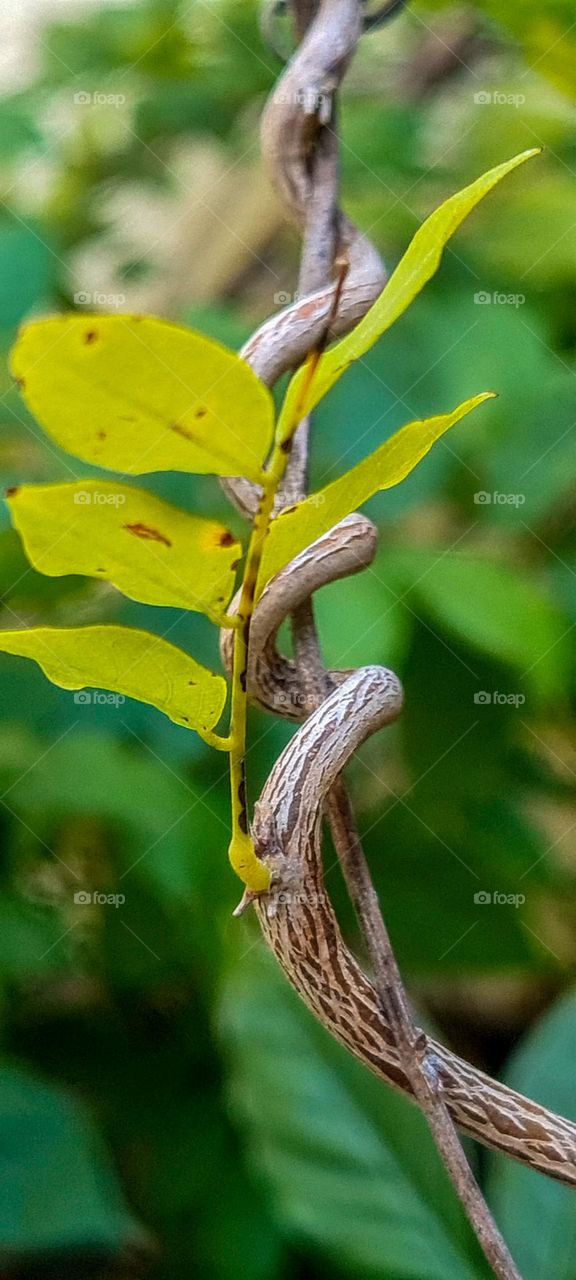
[{"x": 373, "y": 1019}]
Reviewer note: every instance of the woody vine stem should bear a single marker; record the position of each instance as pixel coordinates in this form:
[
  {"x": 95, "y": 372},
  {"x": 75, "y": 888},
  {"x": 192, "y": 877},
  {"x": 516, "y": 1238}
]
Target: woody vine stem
[{"x": 372, "y": 1018}]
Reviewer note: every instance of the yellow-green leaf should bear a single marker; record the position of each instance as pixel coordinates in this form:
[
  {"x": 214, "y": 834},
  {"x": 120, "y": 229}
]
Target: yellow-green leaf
[
  {"x": 134, "y": 664},
  {"x": 150, "y": 550},
  {"x": 388, "y": 465},
  {"x": 138, "y": 394},
  {"x": 415, "y": 269}
]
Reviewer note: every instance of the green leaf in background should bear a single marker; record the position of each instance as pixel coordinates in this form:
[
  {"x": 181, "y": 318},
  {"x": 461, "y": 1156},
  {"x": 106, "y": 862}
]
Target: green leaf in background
[
  {"x": 455, "y": 824},
  {"x": 491, "y": 606},
  {"x": 197, "y": 1179},
  {"x": 26, "y": 269},
  {"x": 537, "y": 1214},
  {"x": 547, "y": 33},
  {"x": 351, "y": 1165},
  {"x": 387, "y": 466},
  {"x": 132, "y": 663},
  {"x": 517, "y": 458},
  {"x": 150, "y": 550},
  {"x": 137, "y": 394},
  {"x": 20, "y": 132},
  {"x": 545, "y": 28},
  {"x": 58, "y": 1191},
  {"x": 153, "y": 820},
  {"x": 30, "y": 932},
  {"x": 431, "y": 875}
]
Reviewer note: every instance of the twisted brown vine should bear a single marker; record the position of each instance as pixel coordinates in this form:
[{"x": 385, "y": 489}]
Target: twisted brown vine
[{"x": 296, "y": 916}]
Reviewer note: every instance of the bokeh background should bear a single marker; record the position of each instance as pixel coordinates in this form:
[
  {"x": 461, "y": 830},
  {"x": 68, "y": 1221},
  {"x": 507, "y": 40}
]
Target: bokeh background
[{"x": 167, "y": 1107}]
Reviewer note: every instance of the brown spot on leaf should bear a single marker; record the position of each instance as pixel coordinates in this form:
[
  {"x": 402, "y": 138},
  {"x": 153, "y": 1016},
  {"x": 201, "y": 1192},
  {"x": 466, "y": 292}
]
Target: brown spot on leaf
[
  {"x": 102, "y": 435},
  {"x": 13, "y": 490},
  {"x": 201, "y": 411},
  {"x": 20, "y": 383},
  {"x": 146, "y": 532},
  {"x": 226, "y": 539},
  {"x": 181, "y": 431},
  {"x": 192, "y": 682}
]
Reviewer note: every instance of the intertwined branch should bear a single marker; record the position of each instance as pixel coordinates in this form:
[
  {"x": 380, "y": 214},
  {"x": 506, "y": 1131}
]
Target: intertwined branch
[{"x": 341, "y": 709}]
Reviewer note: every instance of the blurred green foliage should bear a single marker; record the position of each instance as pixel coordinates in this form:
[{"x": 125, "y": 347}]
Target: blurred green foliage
[
  {"x": 524, "y": 1202},
  {"x": 153, "y": 1057}
]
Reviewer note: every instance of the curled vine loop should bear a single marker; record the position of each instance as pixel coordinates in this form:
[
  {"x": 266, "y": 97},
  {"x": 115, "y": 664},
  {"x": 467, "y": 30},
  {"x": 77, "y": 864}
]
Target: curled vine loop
[{"x": 296, "y": 916}]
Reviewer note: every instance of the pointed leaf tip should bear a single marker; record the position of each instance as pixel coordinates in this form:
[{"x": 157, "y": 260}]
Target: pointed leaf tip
[
  {"x": 386, "y": 467},
  {"x": 419, "y": 263}
]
